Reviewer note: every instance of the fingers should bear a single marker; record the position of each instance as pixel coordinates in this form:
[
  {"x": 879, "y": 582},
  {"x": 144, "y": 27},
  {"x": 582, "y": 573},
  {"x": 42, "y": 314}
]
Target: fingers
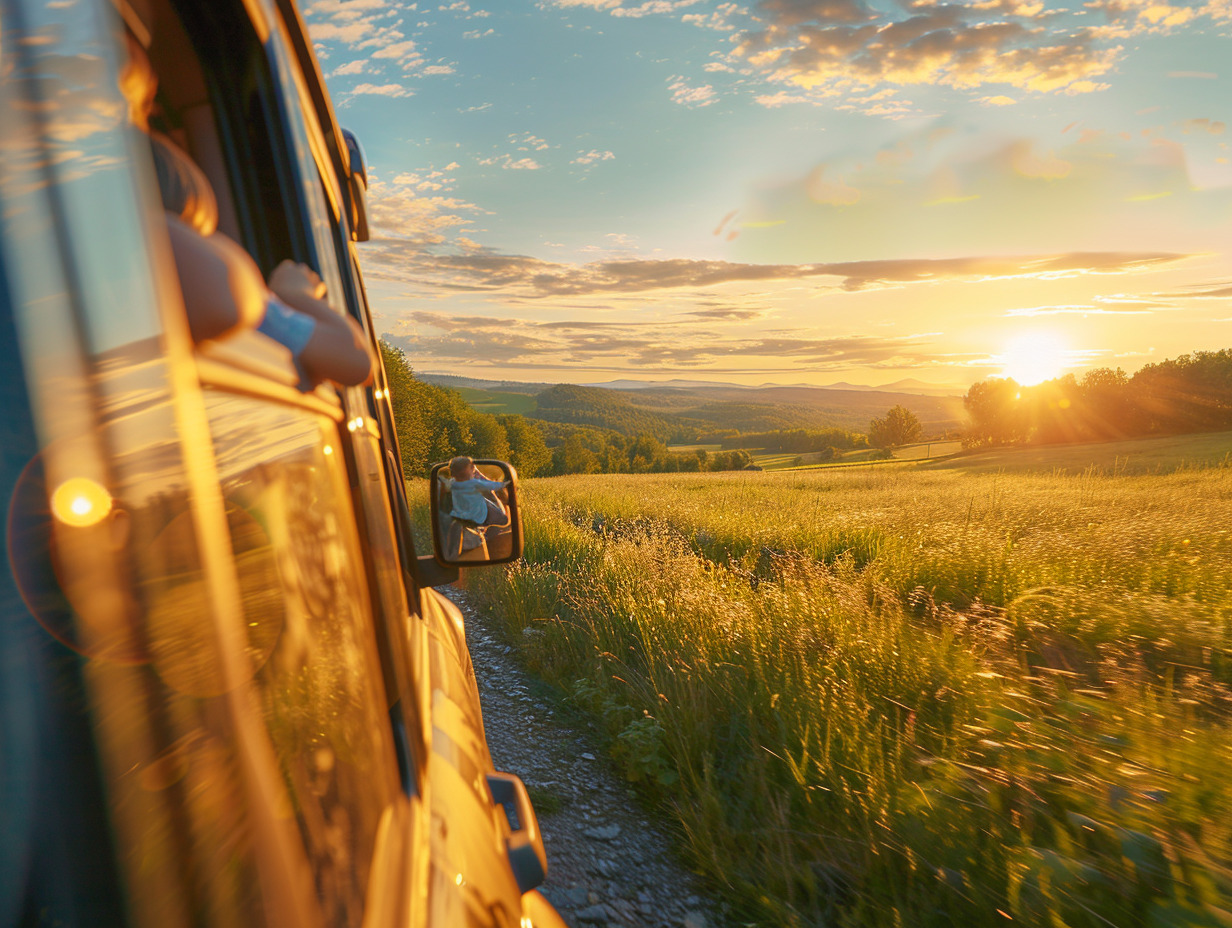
[{"x": 291, "y": 279}]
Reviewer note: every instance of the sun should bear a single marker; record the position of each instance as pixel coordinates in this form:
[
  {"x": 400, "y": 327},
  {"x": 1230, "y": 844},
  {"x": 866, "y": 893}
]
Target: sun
[{"x": 1034, "y": 357}]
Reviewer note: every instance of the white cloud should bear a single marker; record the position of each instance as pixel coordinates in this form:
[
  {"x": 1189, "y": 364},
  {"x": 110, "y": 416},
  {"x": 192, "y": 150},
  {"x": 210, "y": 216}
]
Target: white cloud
[
  {"x": 509, "y": 163},
  {"x": 650, "y": 7},
  {"x": 396, "y": 50},
  {"x": 525, "y": 141},
  {"x": 591, "y": 157},
  {"x": 687, "y": 95},
  {"x": 381, "y": 90},
  {"x": 351, "y": 67},
  {"x": 349, "y": 33}
]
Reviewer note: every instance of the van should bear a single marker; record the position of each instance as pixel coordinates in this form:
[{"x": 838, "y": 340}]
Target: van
[{"x": 229, "y": 692}]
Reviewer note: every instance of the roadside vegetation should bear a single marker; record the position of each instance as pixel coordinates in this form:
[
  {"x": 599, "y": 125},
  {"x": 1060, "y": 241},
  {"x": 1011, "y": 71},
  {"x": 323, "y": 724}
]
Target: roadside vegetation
[{"x": 904, "y": 695}]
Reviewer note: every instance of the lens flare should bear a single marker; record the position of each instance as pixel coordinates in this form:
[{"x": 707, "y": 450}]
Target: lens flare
[{"x": 80, "y": 502}]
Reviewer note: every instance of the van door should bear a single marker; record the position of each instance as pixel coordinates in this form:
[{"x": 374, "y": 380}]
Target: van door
[{"x": 139, "y": 667}]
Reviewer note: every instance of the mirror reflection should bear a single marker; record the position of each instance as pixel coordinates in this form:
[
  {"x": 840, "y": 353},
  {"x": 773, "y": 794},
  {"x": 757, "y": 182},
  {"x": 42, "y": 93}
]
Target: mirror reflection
[{"x": 474, "y": 510}]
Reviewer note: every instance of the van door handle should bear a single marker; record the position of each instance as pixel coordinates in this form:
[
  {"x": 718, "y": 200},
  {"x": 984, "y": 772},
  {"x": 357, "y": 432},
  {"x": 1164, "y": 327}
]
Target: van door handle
[{"x": 527, "y": 858}]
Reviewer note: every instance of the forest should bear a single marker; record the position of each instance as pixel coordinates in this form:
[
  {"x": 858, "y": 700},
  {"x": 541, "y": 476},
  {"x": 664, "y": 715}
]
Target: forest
[
  {"x": 1191, "y": 393},
  {"x": 586, "y": 430},
  {"x": 434, "y": 423}
]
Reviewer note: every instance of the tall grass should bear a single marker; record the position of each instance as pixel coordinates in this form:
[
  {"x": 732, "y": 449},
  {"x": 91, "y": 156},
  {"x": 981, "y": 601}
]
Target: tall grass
[{"x": 911, "y": 698}]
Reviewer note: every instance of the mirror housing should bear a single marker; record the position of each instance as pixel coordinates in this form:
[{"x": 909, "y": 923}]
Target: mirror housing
[
  {"x": 357, "y": 185},
  {"x": 480, "y": 524}
]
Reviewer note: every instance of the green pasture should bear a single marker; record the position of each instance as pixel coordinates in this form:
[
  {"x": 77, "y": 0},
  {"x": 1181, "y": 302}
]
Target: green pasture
[
  {"x": 963, "y": 693},
  {"x": 497, "y": 403},
  {"x": 1135, "y": 456}
]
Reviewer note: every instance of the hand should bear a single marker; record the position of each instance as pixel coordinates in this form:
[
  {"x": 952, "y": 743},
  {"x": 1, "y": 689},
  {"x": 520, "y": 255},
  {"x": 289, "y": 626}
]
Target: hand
[{"x": 291, "y": 280}]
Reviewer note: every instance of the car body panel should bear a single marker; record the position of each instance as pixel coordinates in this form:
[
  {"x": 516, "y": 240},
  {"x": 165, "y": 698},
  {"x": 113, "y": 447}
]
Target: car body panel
[{"x": 282, "y": 726}]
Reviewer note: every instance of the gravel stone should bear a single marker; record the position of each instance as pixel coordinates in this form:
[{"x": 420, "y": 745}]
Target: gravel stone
[
  {"x": 593, "y": 913},
  {"x": 606, "y": 833}
]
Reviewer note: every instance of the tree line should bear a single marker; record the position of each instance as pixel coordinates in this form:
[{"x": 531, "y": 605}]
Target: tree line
[
  {"x": 799, "y": 440},
  {"x": 434, "y": 423},
  {"x": 1191, "y": 393}
]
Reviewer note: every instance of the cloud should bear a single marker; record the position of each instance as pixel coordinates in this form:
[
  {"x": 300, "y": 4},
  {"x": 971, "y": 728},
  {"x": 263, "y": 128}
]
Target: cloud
[
  {"x": 651, "y": 7},
  {"x": 380, "y": 90},
  {"x": 569, "y": 344},
  {"x": 687, "y": 95},
  {"x": 782, "y": 98},
  {"x": 351, "y": 67},
  {"x": 1206, "y": 291},
  {"x": 1127, "y": 18},
  {"x": 1078, "y": 310},
  {"x": 525, "y": 141},
  {"x": 406, "y": 213},
  {"x": 1210, "y": 126},
  {"x": 823, "y": 47},
  {"x": 348, "y": 33},
  {"x": 1139, "y": 192},
  {"x": 591, "y": 157},
  {"x": 510, "y": 163},
  {"x": 586, "y": 4},
  {"x": 727, "y": 313},
  {"x": 537, "y": 279},
  {"x": 361, "y": 25},
  {"x": 618, "y": 8}
]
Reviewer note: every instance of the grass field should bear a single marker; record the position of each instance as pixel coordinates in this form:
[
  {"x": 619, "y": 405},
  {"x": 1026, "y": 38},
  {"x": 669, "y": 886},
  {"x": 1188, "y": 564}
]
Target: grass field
[
  {"x": 497, "y": 403},
  {"x": 994, "y": 689},
  {"x": 787, "y": 460}
]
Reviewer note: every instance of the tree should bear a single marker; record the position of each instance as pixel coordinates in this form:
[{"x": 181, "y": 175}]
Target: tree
[
  {"x": 527, "y": 450},
  {"x": 405, "y": 397},
  {"x": 898, "y": 426},
  {"x": 996, "y": 417},
  {"x": 488, "y": 438},
  {"x": 576, "y": 458}
]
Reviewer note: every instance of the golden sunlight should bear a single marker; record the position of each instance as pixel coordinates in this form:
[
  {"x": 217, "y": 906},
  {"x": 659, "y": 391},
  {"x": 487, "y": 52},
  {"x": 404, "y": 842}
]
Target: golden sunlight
[{"x": 1034, "y": 357}]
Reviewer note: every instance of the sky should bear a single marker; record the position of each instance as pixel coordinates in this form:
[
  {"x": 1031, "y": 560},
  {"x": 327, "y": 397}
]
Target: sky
[{"x": 790, "y": 191}]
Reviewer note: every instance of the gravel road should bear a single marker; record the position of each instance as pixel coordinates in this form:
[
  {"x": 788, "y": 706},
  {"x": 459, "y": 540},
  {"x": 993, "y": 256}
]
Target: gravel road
[{"x": 608, "y": 863}]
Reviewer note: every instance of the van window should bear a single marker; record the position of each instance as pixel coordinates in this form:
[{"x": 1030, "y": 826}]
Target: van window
[{"x": 310, "y": 633}]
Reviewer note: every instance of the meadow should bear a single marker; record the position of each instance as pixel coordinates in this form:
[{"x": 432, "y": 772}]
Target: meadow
[{"x": 910, "y": 694}]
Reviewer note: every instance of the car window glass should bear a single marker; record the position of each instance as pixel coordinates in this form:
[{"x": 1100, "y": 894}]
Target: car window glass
[
  {"x": 320, "y": 216},
  {"x": 83, "y": 149},
  {"x": 310, "y": 634}
]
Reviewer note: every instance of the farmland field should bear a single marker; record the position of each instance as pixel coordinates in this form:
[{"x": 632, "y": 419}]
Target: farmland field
[
  {"x": 995, "y": 689},
  {"x": 498, "y": 403}
]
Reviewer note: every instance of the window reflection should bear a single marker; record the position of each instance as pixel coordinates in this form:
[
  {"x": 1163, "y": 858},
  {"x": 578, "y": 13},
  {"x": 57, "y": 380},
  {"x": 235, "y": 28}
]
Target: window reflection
[{"x": 310, "y": 634}]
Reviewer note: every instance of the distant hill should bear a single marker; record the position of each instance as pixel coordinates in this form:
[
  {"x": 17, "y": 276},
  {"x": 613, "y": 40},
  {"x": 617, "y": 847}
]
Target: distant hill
[
  {"x": 678, "y": 414},
  {"x": 910, "y": 386},
  {"x": 678, "y": 410},
  {"x": 606, "y": 409},
  {"x": 918, "y": 387},
  {"x": 454, "y": 382}
]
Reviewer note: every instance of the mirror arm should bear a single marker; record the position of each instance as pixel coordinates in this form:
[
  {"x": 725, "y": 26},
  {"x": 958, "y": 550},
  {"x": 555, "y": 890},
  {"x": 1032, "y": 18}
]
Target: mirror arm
[{"x": 433, "y": 574}]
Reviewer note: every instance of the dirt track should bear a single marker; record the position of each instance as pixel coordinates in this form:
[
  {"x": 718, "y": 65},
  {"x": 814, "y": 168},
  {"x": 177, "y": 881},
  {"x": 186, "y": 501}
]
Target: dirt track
[{"x": 608, "y": 863}]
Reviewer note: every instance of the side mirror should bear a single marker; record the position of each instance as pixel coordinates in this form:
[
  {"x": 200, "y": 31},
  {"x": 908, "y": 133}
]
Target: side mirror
[
  {"x": 357, "y": 185},
  {"x": 475, "y": 518}
]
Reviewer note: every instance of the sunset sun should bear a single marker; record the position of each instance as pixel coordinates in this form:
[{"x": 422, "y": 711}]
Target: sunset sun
[{"x": 1034, "y": 357}]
